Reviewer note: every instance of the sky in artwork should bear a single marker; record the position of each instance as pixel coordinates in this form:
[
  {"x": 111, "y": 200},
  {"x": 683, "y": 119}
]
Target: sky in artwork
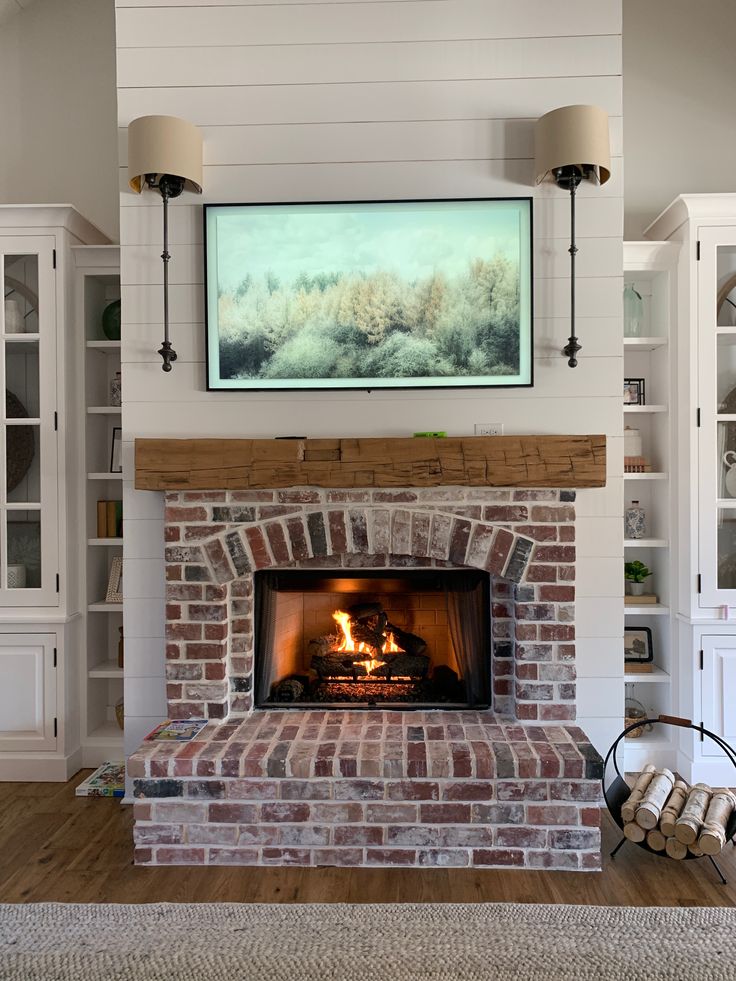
[{"x": 411, "y": 240}]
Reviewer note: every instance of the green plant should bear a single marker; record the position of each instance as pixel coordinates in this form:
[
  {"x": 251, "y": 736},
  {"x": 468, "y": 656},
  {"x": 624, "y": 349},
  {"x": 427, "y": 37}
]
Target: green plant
[{"x": 636, "y": 571}]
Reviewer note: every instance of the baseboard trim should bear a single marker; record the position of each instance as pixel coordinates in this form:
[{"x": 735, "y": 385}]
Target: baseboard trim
[{"x": 27, "y": 768}]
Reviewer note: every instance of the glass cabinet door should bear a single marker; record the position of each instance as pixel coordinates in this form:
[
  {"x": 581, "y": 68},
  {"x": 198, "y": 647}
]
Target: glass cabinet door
[
  {"x": 28, "y": 495},
  {"x": 717, "y": 401}
]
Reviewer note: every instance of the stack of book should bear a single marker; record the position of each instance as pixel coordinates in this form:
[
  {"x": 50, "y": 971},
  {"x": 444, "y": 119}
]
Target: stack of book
[
  {"x": 636, "y": 464},
  {"x": 109, "y": 519}
]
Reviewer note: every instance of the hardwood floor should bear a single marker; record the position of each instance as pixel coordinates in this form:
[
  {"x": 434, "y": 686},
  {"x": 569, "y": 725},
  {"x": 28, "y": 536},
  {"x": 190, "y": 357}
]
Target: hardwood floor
[{"x": 58, "y": 847}]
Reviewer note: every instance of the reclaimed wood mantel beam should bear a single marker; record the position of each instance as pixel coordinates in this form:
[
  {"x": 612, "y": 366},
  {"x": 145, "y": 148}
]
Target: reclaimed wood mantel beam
[{"x": 475, "y": 461}]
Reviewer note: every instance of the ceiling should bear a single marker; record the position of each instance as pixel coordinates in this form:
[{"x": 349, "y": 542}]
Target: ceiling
[{"x": 9, "y": 8}]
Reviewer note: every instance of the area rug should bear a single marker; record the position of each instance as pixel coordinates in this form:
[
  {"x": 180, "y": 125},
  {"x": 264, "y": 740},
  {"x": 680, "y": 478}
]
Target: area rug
[{"x": 338, "y": 942}]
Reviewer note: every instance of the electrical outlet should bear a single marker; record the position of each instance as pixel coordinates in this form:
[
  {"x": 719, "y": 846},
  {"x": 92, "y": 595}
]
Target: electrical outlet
[{"x": 489, "y": 429}]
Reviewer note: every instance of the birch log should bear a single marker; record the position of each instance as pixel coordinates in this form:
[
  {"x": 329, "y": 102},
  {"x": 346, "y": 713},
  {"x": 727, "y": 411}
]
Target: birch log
[
  {"x": 713, "y": 834},
  {"x": 690, "y": 821},
  {"x": 628, "y": 808},
  {"x": 633, "y": 832},
  {"x": 673, "y": 808},
  {"x": 648, "y": 811},
  {"x": 695, "y": 850},
  {"x": 656, "y": 840},
  {"x": 675, "y": 848}
]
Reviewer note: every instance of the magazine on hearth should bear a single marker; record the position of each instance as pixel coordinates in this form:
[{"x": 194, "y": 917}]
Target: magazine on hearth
[
  {"x": 108, "y": 780},
  {"x": 177, "y": 730}
]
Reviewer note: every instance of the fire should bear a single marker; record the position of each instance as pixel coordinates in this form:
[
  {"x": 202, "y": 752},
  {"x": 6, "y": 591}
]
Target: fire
[{"x": 348, "y": 644}]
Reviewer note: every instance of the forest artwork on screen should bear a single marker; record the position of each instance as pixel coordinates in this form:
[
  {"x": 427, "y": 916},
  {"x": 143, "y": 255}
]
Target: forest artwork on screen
[{"x": 369, "y": 295}]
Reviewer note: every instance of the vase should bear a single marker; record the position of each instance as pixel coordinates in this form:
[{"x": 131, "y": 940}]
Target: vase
[
  {"x": 111, "y": 321},
  {"x": 635, "y": 521},
  {"x": 635, "y": 588},
  {"x": 116, "y": 391},
  {"x": 633, "y": 312}
]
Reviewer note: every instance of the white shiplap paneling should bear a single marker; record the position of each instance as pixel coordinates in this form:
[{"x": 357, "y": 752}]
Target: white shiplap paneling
[{"x": 360, "y": 100}]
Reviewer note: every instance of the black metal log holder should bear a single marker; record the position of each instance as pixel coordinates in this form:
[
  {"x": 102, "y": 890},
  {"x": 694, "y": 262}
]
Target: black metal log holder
[{"x": 616, "y": 790}]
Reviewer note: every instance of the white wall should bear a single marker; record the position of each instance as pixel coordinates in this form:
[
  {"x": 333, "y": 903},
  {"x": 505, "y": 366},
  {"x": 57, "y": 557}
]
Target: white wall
[
  {"x": 57, "y": 104},
  {"x": 679, "y": 85},
  {"x": 405, "y": 98}
]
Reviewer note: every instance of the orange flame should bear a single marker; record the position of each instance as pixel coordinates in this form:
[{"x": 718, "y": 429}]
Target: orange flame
[{"x": 348, "y": 644}]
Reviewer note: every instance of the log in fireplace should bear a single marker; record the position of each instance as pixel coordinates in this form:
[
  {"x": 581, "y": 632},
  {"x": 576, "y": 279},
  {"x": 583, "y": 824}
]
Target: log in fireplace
[{"x": 395, "y": 638}]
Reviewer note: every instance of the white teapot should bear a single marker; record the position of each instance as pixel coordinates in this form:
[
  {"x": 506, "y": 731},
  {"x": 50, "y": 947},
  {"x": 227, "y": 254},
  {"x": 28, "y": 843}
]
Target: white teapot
[{"x": 729, "y": 461}]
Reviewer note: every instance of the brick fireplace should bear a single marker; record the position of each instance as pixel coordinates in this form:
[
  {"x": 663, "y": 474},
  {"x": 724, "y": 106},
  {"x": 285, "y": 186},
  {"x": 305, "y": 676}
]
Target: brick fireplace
[{"x": 512, "y": 785}]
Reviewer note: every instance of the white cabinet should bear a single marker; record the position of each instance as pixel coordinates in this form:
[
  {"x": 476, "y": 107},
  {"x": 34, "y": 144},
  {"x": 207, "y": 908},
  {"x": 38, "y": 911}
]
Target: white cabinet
[
  {"x": 41, "y": 608},
  {"x": 704, "y": 228},
  {"x": 718, "y": 689},
  {"x": 28, "y": 719}
]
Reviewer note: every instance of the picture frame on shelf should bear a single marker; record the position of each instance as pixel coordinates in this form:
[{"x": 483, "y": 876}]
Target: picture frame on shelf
[
  {"x": 634, "y": 391},
  {"x": 115, "y": 581},
  {"x": 116, "y": 450},
  {"x": 638, "y": 648}
]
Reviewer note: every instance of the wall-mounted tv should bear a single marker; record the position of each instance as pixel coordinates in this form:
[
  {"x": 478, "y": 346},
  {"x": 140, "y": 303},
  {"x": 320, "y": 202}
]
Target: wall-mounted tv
[{"x": 369, "y": 294}]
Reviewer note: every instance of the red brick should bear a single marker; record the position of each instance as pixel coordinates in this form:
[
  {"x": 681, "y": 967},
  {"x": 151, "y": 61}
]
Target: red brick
[
  {"x": 498, "y": 856},
  {"x": 505, "y": 512},
  {"x": 173, "y": 572},
  {"x": 180, "y": 856},
  {"x": 390, "y": 856},
  {"x": 444, "y": 813},
  {"x": 143, "y": 856},
  {"x": 358, "y": 834},
  {"x": 177, "y": 514},
  {"x": 557, "y": 631},
  {"x": 541, "y": 573},
  {"x": 212, "y": 612},
  {"x": 183, "y": 591},
  {"x": 566, "y": 533},
  {"x": 215, "y": 631},
  {"x": 183, "y": 631},
  {"x": 157, "y": 834},
  {"x": 234, "y": 856},
  {"x": 557, "y": 594},
  {"x": 225, "y": 813},
  {"x": 538, "y": 533},
  {"x": 468, "y": 790},
  {"x": 327, "y": 857},
  {"x": 285, "y": 812},
  {"x": 591, "y": 817},
  {"x": 172, "y": 533},
  {"x": 390, "y": 813},
  {"x": 554, "y": 553},
  {"x": 332, "y": 812},
  {"x": 258, "y": 549},
  {"x": 196, "y": 533},
  {"x": 405, "y": 790},
  {"x": 559, "y": 513},
  {"x": 205, "y": 652},
  {"x": 287, "y": 856},
  {"x": 277, "y": 541},
  {"x": 499, "y": 551}
]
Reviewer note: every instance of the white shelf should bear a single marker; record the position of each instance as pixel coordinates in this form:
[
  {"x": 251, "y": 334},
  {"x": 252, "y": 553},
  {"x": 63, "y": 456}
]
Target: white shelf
[
  {"x": 645, "y": 343},
  {"x": 655, "y": 676},
  {"x": 647, "y": 740},
  {"x": 104, "y": 541},
  {"x": 645, "y": 409},
  {"x": 20, "y": 338},
  {"x": 654, "y": 475},
  {"x": 108, "y": 732},
  {"x": 104, "y": 410},
  {"x": 646, "y": 610},
  {"x": 103, "y": 607},
  {"x": 103, "y": 345},
  {"x": 107, "y": 669},
  {"x": 104, "y": 476},
  {"x": 646, "y": 543}
]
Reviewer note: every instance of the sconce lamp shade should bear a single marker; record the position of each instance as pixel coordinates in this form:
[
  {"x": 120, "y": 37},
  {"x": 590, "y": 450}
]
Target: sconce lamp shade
[
  {"x": 164, "y": 145},
  {"x": 573, "y": 136}
]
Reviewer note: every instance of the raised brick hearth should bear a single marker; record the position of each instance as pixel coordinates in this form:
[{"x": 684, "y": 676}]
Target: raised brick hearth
[{"x": 513, "y": 786}]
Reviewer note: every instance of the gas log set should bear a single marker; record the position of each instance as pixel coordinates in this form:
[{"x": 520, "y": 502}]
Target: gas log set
[
  {"x": 370, "y": 660},
  {"x": 674, "y": 818}
]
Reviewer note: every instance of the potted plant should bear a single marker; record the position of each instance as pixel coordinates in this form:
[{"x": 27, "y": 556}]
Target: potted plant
[{"x": 635, "y": 573}]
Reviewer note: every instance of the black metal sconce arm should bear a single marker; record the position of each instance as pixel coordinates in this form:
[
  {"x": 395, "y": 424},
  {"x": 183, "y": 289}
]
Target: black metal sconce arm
[{"x": 168, "y": 186}]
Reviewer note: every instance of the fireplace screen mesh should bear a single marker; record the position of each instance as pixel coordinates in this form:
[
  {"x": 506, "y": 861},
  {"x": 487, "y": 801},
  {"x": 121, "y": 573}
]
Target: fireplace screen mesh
[{"x": 408, "y": 638}]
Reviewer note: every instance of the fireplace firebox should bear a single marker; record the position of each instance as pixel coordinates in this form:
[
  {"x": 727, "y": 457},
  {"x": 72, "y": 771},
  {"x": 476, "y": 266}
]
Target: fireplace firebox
[{"x": 396, "y": 638}]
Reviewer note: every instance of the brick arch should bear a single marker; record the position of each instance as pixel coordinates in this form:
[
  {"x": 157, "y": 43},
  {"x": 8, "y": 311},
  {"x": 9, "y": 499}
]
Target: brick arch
[{"x": 371, "y": 530}]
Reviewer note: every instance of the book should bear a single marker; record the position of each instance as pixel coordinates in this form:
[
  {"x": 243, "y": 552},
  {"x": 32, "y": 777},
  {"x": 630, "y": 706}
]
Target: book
[
  {"x": 644, "y": 600},
  {"x": 112, "y": 520},
  {"x": 102, "y": 519},
  {"x": 176, "y": 730},
  {"x": 108, "y": 780}
]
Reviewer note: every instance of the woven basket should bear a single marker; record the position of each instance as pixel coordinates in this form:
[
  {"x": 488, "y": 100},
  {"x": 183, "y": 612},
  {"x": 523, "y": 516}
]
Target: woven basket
[{"x": 629, "y": 720}]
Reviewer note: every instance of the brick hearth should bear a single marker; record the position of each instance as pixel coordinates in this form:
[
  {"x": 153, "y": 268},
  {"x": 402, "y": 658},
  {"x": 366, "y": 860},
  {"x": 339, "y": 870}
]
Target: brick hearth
[
  {"x": 371, "y": 788},
  {"x": 518, "y": 787}
]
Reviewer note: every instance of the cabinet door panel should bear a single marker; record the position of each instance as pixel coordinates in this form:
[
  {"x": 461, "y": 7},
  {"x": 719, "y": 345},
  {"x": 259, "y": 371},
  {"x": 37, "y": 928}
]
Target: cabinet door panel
[
  {"x": 719, "y": 690},
  {"x": 27, "y": 692}
]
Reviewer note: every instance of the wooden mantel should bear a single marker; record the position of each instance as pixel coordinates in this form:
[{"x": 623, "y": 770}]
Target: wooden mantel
[{"x": 476, "y": 461}]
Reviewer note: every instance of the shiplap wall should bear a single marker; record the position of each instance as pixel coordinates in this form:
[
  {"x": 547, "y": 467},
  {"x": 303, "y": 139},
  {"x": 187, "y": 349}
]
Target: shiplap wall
[{"x": 373, "y": 99}]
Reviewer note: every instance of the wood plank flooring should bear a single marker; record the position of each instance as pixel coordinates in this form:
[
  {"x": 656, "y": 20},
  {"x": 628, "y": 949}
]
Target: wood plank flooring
[{"x": 58, "y": 847}]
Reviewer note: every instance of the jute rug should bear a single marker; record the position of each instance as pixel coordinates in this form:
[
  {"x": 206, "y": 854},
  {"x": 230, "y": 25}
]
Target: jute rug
[{"x": 336, "y": 942}]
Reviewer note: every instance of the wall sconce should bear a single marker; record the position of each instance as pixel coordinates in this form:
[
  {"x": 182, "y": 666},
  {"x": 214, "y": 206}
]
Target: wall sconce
[
  {"x": 572, "y": 145},
  {"x": 165, "y": 154}
]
